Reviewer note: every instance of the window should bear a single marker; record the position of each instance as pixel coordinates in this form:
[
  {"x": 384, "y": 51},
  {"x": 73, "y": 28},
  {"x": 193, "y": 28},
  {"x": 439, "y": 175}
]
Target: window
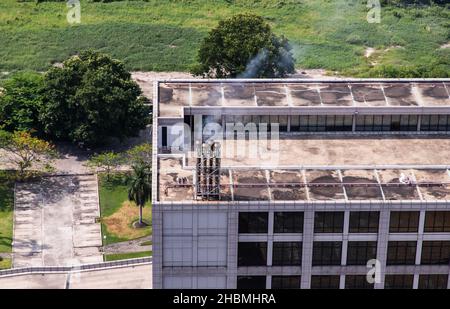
[
  {"x": 286, "y": 282},
  {"x": 401, "y": 253},
  {"x": 404, "y": 222},
  {"x": 327, "y": 253},
  {"x": 164, "y": 137},
  {"x": 435, "y": 123},
  {"x": 364, "y": 221},
  {"x": 330, "y": 123},
  {"x": 251, "y": 282},
  {"x": 287, "y": 253},
  {"x": 295, "y": 123},
  {"x": 435, "y": 252},
  {"x": 386, "y": 123},
  {"x": 288, "y": 222},
  {"x": 328, "y": 222},
  {"x": 252, "y": 254},
  {"x": 348, "y": 123},
  {"x": 408, "y": 123},
  {"x": 378, "y": 123},
  {"x": 325, "y": 282},
  {"x": 321, "y": 123},
  {"x": 443, "y": 123},
  {"x": 359, "y": 252},
  {"x": 398, "y": 281},
  {"x": 253, "y": 222},
  {"x": 395, "y": 123},
  {"x": 357, "y": 282},
  {"x": 437, "y": 221},
  {"x": 433, "y": 281},
  {"x": 283, "y": 123}
]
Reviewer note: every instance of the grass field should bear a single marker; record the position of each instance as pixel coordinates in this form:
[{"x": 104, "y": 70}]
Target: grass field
[
  {"x": 124, "y": 256},
  {"x": 163, "y": 35},
  {"x": 5, "y": 263},
  {"x": 117, "y": 213},
  {"x": 6, "y": 212}
]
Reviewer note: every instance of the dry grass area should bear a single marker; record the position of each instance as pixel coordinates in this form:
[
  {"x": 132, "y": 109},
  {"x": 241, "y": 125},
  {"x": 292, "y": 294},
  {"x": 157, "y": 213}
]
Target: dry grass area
[{"x": 119, "y": 224}]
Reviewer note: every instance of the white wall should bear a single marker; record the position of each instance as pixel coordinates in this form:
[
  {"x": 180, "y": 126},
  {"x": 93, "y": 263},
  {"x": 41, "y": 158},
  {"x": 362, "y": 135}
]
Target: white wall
[
  {"x": 194, "y": 239},
  {"x": 193, "y": 282}
]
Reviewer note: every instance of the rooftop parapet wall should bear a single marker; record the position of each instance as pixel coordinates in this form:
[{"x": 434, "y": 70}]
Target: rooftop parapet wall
[
  {"x": 300, "y": 94},
  {"x": 308, "y": 185}
]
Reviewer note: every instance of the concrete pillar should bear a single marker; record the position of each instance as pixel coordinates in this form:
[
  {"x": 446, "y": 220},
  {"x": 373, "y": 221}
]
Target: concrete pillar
[
  {"x": 232, "y": 247},
  {"x": 157, "y": 247},
  {"x": 308, "y": 233},
  {"x": 383, "y": 237}
]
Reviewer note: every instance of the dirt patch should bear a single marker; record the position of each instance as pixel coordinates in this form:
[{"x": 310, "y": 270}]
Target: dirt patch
[
  {"x": 369, "y": 51},
  {"x": 120, "y": 223},
  {"x": 447, "y": 45}
]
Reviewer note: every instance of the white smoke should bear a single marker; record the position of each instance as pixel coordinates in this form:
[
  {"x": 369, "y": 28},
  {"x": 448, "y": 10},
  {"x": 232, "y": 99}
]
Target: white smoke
[{"x": 255, "y": 65}]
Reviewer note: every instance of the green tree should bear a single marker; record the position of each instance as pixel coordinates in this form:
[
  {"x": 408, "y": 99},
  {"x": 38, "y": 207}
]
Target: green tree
[
  {"x": 140, "y": 188},
  {"x": 90, "y": 99},
  {"x": 244, "y": 46},
  {"x": 25, "y": 151},
  {"x": 140, "y": 155},
  {"x": 21, "y": 101},
  {"x": 107, "y": 162}
]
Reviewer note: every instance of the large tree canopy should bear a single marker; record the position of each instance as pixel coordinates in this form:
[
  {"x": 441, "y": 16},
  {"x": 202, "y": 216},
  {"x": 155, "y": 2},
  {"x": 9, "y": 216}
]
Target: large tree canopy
[
  {"x": 244, "y": 46},
  {"x": 20, "y": 102},
  {"x": 91, "y": 98}
]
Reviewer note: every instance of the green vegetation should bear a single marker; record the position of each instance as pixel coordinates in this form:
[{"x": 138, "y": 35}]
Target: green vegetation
[
  {"x": 244, "y": 46},
  {"x": 140, "y": 189},
  {"x": 20, "y": 104},
  {"x": 117, "y": 213},
  {"x": 165, "y": 35},
  {"x": 91, "y": 99},
  {"x": 5, "y": 263},
  {"x": 124, "y": 256},
  {"x": 88, "y": 101},
  {"x": 106, "y": 162},
  {"x": 6, "y": 212},
  {"x": 26, "y": 152},
  {"x": 146, "y": 243}
]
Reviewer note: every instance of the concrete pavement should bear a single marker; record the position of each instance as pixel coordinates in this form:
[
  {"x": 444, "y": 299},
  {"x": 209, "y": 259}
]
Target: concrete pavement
[
  {"x": 55, "y": 222},
  {"x": 133, "y": 277}
]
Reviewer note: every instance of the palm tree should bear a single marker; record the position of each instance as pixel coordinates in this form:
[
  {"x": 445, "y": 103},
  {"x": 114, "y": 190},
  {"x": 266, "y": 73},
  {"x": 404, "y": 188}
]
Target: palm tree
[{"x": 140, "y": 187}]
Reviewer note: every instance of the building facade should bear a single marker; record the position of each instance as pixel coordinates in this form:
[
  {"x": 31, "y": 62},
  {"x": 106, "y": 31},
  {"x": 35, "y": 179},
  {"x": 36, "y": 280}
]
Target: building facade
[{"x": 312, "y": 184}]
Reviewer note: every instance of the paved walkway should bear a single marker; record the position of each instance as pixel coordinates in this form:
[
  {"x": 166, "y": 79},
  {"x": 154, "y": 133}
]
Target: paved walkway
[
  {"x": 54, "y": 222},
  {"x": 129, "y": 246},
  {"x": 132, "y": 277}
]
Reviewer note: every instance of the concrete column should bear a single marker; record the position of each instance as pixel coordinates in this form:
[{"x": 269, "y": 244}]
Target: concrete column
[
  {"x": 383, "y": 236},
  {"x": 342, "y": 282},
  {"x": 157, "y": 247},
  {"x": 194, "y": 239},
  {"x": 270, "y": 239},
  {"x": 416, "y": 281},
  {"x": 419, "y": 247},
  {"x": 308, "y": 233},
  {"x": 232, "y": 248},
  {"x": 269, "y": 282}
]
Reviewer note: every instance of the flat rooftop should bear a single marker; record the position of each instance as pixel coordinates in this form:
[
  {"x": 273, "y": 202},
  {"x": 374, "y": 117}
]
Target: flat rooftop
[
  {"x": 336, "y": 150},
  {"x": 174, "y": 95},
  {"x": 311, "y": 167},
  {"x": 278, "y": 184}
]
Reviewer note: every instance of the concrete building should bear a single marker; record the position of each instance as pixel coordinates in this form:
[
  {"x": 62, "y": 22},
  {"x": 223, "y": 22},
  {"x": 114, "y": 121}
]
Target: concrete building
[{"x": 306, "y": 183}]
